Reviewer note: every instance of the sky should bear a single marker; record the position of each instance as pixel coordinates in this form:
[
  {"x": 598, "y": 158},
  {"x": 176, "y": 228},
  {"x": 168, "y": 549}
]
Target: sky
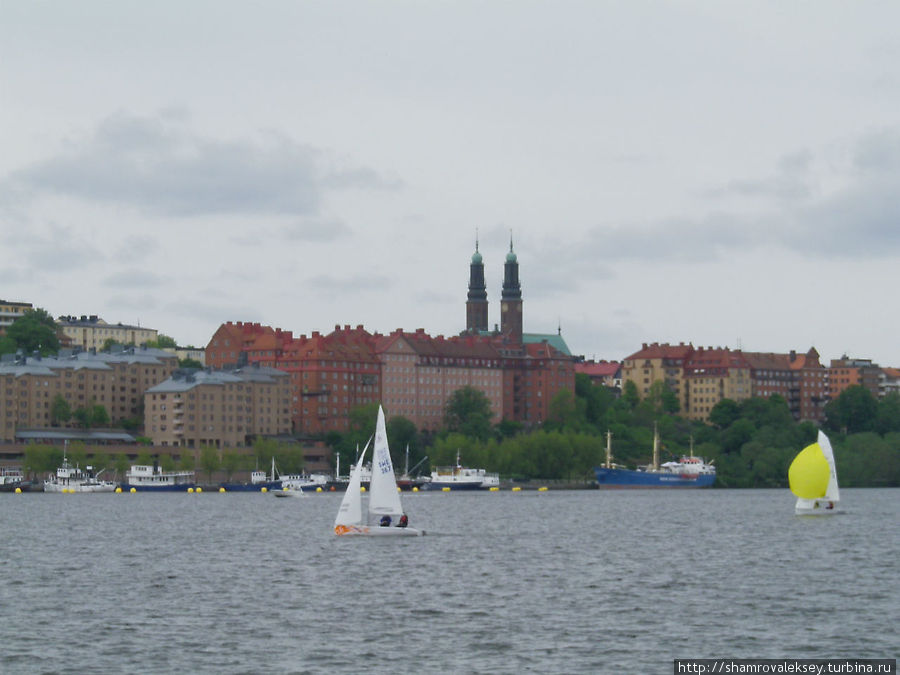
[{"x": 724, "y": 174}]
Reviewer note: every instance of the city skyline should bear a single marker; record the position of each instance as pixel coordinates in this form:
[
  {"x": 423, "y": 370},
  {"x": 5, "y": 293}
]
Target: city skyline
[{"x": 720, "y": 175}]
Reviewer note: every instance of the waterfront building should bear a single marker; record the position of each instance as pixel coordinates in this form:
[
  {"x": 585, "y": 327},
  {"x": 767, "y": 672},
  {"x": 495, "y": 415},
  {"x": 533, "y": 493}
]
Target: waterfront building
[
  {"x": 412, "y": 373},
  {"x": 847, "y": 372},
  {"x": 92, "y": 332},
  {"x": 811, "y": 382},
  {"x": 602, "y": 373},
  {"x": 195, "y": 408},
  {"x": 29, "y": 385},
  {"x": 10, "y": 311},
  {"x": 711, "y": 375},
  {"x": 658, "y": 363}
]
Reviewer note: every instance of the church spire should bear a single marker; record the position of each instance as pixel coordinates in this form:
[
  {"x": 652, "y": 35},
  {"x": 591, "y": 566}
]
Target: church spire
[
  {"x": 511, "y": 297},
  {"x": 476, "y": 303}
]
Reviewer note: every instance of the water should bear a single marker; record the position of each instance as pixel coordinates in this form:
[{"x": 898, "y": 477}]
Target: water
[{"x": 555, "y": 582}]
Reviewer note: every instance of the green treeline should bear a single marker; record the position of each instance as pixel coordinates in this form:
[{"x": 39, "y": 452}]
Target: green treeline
[{"x": 752, "y": 443}]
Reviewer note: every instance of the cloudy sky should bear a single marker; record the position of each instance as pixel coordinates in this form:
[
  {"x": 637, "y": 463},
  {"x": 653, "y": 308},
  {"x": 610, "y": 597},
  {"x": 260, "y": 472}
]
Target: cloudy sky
[{"x": 721, "y": 173}]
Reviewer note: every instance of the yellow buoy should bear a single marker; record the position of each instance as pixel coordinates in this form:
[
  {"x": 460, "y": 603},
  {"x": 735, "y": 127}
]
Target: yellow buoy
[
  {"x": 542, "y": 489},
  {"x": 133, "y": 490},
  {"x": 362, "y": 488},
  {"x": 199, "y": 489},
  {"x": 190, "y": 489},
  {"x": 398, "y": 489},
  {"x": 264, "y": 489},
  {"x": 118, "y": 489},
  {"x": 445, "y": 489},
  {"x": 221, "y": 489},
  {"x": 18, "y": 491},
  {"x": 495, "y": 489},
  {"x": 318, "y": 489},
  {"x": 517, "y": 489},
  {"x": 415, "y": 489}
]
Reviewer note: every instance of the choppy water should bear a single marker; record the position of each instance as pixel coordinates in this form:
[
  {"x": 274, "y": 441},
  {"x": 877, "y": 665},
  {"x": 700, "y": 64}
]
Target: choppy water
[{"x": 556, "y": 582}]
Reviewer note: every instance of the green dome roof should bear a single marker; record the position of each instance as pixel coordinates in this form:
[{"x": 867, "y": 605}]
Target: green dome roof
[
  {"x": 476, "y": 258},
  {"x": 511, "y": 256}
]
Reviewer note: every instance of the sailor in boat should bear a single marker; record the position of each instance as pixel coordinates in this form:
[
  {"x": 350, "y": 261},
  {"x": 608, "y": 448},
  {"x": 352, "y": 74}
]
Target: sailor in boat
[
  {"x": 403, "y": 522},
  {"x": 385, "y": 521}
]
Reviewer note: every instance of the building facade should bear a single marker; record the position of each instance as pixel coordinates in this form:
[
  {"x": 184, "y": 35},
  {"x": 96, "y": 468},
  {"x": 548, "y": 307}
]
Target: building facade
[
  {"x": 412, "y": 373},
  {"x": 10, "y": 311},
  {"x": 117, "y": 381},
  {"x": 92, "y": 332},
  {"x": 195, "y": 408},
  {"x": 701, "y": 377}
]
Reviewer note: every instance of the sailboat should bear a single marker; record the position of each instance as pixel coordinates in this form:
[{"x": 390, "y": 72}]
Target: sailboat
[
  {"x": 813, "y": 478},
  {"x": 384, "y": 497}
]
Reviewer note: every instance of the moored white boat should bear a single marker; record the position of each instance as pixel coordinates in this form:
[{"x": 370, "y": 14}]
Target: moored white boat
[
  {"x": 146, "y": 478},
  {"x": 12, "y": 479},
  {"x": 70, "y": 478},
  {"x": 460, "y": 477}
]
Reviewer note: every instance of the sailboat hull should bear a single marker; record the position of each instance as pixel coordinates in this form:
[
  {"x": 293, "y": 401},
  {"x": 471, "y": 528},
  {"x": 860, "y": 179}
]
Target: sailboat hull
[
  {"x": 815, "y": 507},
  {"x": 366, "y": 531}
]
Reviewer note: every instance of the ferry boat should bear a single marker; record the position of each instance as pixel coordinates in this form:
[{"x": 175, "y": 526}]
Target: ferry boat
[
  {"x": 460, "y": 477},
  {"x": 146, "y": 478},
  {"x": 688, "y": 472},
  {"x": 12, "y": 479},
  {"x": 70, "y": 478}
]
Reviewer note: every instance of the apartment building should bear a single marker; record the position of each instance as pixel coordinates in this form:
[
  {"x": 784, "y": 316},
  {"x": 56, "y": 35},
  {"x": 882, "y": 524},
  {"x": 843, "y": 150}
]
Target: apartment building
[
  {"x": 846, "y": 372},
  {"x": 10, "y": 311},
  {"x": 92, "y": 332},
  {"x": 195, "y": 408},
  {"x": 711, "y": 375},
  {"x": 602, "y": 373},
  {"x": 658, "y": 363},
  {"x": 29, "y": 385},
  {"x": 420, "y": 373},
  {"x": 412, "y": 373}
]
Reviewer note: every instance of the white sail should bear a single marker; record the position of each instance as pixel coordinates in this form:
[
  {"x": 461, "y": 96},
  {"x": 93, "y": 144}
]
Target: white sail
[
  {"x": 384, "y": 499},
  {"x": 832, "y": 493},
  {"x": 350, "y": 512}
]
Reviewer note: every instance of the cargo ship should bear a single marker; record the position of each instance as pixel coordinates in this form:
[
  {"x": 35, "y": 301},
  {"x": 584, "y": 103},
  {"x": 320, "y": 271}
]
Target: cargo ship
[{"x": 688, "y": 472}]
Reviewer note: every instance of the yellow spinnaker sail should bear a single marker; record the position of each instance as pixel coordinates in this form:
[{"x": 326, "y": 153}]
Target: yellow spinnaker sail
[{"x": 809, "y": 472}]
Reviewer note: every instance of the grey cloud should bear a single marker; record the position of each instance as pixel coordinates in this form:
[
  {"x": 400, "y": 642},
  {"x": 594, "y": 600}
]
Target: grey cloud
[
  {"x": 160, "y": 166},
  {"x": 53, "y": 249},
  {"x": 137, "y": 247},
  {"x": 332, "y": 285},
  {"x": 315, "y": 230},
  {"x": 859, "y": 219},
  {"x": 133, "y": 279}
]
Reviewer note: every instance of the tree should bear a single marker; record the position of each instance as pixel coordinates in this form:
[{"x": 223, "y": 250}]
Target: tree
[
  {"x": 563, "y": 409},
  {"x": 630, "y": 395},
  {"x": 468, "y": 411},
  {"x": 94, "y": 415},
  {"x": 60, "y": 411},
  {"x": 209, "y": 461},
  {"x": 888, "y": 415},
  {"x": 402, "y": 434},
  {"x": 7, "y": 345},
  {"x": 190, "y": 363},
  {"x": 34, "y": 331},
  {"x": 854, "y": 411}
]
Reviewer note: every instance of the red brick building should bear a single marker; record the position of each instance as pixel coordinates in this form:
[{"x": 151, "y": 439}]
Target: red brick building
[{"x": 412, "y": 374}]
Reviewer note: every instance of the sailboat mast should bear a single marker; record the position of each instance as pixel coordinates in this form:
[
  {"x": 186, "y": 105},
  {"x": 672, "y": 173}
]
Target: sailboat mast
[{"x": 608, "y": 449}]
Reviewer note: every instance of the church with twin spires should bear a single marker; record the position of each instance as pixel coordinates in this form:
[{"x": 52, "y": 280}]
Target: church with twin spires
[{"x": 511, "y": 323}]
